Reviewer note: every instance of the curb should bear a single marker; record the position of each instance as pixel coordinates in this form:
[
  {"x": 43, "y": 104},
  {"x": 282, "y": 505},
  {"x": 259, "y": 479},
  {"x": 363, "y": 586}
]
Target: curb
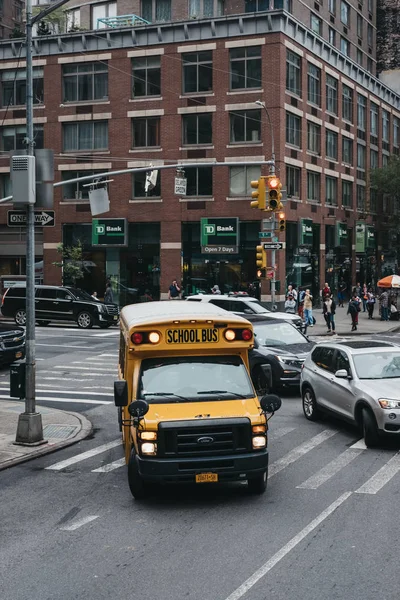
[
  {"x": 356, "y": 333},
  {"x": 84, "y": 432}
]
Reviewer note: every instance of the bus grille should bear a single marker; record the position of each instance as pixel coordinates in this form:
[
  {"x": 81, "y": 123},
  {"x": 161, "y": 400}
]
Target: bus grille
[{"x": 211, "y": 437}]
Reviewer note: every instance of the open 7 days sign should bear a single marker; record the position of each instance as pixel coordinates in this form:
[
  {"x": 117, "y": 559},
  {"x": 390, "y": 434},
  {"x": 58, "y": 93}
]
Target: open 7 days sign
[
  {"x": 109, "y": 232},
  {"x": 220, "y": 235}
]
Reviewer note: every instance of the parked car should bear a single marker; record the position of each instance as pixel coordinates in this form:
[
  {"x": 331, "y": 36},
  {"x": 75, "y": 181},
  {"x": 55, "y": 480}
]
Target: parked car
[
  {"x": 59, "y": 303},
  {"x": 12, "y": 343},
  {"x": 357, "y": 381},
  {"x": 279, "y": 344},
  {"x": 245, "y": 305}
]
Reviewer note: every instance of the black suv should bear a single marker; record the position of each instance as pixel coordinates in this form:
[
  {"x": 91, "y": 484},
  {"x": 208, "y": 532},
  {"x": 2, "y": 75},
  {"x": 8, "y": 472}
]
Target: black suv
[
  {"x": 12, "y": 343},
  {"x": 54, "y": 303}
]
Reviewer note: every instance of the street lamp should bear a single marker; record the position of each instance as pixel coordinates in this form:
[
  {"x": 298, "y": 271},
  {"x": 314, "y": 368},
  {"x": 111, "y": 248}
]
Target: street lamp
[{"x": 272, "y": 167}]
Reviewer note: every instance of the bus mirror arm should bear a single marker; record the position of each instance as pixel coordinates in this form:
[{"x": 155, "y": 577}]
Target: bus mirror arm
[{"x": 121, "y": 393}]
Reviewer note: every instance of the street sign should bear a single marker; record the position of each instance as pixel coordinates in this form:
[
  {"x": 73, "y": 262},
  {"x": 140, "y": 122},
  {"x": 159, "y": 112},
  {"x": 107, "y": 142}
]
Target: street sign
[
  {"x": 273, "y": 245},
  {"x": 43, "y": 218},
  {"x": 180, "y": 186},
  {"x": 109, "y": 232},
  {"x": 270, "y": 274},
  {"x": 268, "y": 224},
  {"x": 265, "y": 234}
]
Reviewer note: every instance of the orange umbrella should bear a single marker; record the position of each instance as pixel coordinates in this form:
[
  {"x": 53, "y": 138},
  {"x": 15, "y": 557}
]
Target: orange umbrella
[{"x": 391, "y": 281}]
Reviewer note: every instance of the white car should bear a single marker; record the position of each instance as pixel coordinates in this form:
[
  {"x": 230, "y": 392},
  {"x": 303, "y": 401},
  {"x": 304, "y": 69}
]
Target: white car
[{"x": 246, "y": 305}]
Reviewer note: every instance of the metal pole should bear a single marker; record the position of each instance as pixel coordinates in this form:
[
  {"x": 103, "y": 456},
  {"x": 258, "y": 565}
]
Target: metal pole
[
  {"x": 273, "y": 259},
  {"x": 272, "y": 166},
  {"x": 30, "y": 429}
]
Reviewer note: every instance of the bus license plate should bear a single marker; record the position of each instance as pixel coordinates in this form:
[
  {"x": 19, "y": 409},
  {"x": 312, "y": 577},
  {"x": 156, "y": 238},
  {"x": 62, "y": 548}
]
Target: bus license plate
[
  {"x": 206, "y": 477},
  {"x": 192, "y": 336}
]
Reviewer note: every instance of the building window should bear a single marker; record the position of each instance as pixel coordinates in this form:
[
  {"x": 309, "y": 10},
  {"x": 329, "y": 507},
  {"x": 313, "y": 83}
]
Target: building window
[
  {"x": 156, "y": 10},
  {"x": 360, "y": 161},
  {"x": 313, "y": 186},
  {"x": 138, "y": 186},
  {"x": 146, "y": 132},
  {"x": 373, "y": 159},
  {"x": 332, "y": 6},
  {"x": 359, "y": 57},
  {"x": 361, "y": 112},
  {"x": 359, "y": 25},
  {"x": 197, "y": 72},
  {"x": 240, "y": 178},
  {"x": 371, "y": 6},
  {"x": 314, "y": 84},
  {"x": 316, "y": 24},
  {"x": 373, "y": 200},
  {"x": 293, "y": 73},
  {"x": 293, "y": 130},
  {"x": 199, "y": 181},
  {"x": 331, "y": 94},
  {"x": 197, "y": 129},
  {"x": 370, "y": 36},
  {"x": 332, "y": 36},
  {"x": 5, "y": 185},
  {"x": 293, "y": 181},
  {"x": 331, "y": 191},
  {"x": 245, "y": 126},
  {"x": 313, "y": 138},
  {"x": 347, "y": 194},
  {"x": 13, "y": 138},
  {"x": 13, "y": 87},
  {"x": 85, "y": 135},
  {"x": 146, "y": 76},
  {"x": 245, "y": 67},
  {"x": 347, "y": 151},
  {"x": 385, "y": 160},
  {"x": 370, "y": 67},
  {"x": 256, "y": 5},
  {"x": 331, "y": 145},
  {"x": 374, "y": 120},
  {"x": 76, "y": 191},
  {"x": 103, "y": 11},
  {"x": 84, "y": 82},
  {"x": 345, "y": 13},
  {"x": 385, "y": 126},
  {"x": 396, "y": 132},
  {"x": 73, "y": 19},
  {"x": 344, "y": 46},
  {"x": 199, "y": 9},
  {"x": 347, "y": 103},
  {"x": 360, "y": 197}
]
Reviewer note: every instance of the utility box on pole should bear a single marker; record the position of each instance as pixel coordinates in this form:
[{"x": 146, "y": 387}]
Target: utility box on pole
[{"x": 23, "y": 180}]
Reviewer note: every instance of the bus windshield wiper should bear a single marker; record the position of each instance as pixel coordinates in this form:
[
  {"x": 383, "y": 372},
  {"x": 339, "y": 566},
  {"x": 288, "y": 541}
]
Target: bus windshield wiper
[
  {"x": 166, "y": 395},
  {"x": 241, "y": 396}
]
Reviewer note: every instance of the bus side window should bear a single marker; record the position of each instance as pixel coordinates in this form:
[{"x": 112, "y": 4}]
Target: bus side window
[{"x": 122, "y": 353}]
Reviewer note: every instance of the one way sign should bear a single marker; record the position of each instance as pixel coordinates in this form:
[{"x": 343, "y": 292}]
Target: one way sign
[{"x": 43, "y": 218}]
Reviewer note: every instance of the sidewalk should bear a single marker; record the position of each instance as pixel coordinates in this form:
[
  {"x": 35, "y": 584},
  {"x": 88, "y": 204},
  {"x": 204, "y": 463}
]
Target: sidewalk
[
  {"x": 343, "y": 324},
  {"x": 60, "y": 429}
]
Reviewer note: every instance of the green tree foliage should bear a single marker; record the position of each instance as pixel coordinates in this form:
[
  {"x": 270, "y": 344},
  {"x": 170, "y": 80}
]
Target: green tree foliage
[
  {"x": 55, "y": 22},
  {"x": 71, "y": 263},
  {"x": 387, "y": 179}
]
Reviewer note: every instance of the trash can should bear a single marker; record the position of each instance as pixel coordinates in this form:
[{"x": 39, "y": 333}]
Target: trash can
[{"x": 17, "y": 379}]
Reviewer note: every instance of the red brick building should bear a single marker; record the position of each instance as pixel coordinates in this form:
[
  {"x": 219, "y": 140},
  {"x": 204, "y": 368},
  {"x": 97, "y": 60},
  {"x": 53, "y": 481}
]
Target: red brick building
[{"x": 186, "y": 92}]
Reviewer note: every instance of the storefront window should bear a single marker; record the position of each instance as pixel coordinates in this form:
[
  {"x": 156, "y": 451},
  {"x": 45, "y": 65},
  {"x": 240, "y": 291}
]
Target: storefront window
[{"x": 302, "y": 259}]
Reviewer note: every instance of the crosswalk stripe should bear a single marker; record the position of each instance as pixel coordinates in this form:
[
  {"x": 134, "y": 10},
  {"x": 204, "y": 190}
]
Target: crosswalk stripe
[
  {"x": 68, "y": 400},
  {"x": 63, "y": 346},
  {"x": 300, "y": 451},
  {"x": 110, "y": 466},
  {"x": 83, "y": 456},
  {"x": 327, "y": 472},
  {"x": 275, "y": 434},
  {"x": 79, "y": 523},
  {"x": 69, "y": 368},
  {"x": 68, "y": 391},
  {"x": 381, "y": 477}
]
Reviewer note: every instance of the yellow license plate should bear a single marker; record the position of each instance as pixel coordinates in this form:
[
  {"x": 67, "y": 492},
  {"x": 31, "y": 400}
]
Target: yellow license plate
[
  {"x": 192, "y": 336},
  {"x": 206, "y": 477},
  {"x": 18, "y": 354}
]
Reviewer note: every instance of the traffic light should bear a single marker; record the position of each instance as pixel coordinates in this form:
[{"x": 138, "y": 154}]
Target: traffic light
[
  {"x": 282, "y": 222},
  {"x": 274, "y": 193},
  {"x": 260, "y": 196},
  {"x": 261, "y": 257}
]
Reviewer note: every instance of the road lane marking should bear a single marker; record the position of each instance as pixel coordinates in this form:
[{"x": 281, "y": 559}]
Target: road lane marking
[
  {"x": 110, "y": 467},
  {"x": 66, "y": 367},
  {"x": 79, "y": 523},
  {"x": 300, "y": 451},
  {"x": 105, "y": 334},
  {"x": 84, "y": 455},
  {"x": 65, "y": 346},
  {"x": 70, "y": 391},
  {"x": 278, "y": 556},
  {"x": 67, "y": 400},
  {"x": 381, "y": 477},
  {"x": 327, "y": 472},
  {"x": 278, "y": 433}
]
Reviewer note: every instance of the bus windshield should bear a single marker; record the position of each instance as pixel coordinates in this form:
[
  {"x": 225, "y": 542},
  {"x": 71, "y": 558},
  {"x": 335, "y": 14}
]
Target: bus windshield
[{"x": 194, "y": 379}]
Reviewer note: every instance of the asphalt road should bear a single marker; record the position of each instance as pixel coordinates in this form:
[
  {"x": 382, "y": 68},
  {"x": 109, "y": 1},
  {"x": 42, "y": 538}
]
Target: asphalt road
[{"x": 325, "y": 529}]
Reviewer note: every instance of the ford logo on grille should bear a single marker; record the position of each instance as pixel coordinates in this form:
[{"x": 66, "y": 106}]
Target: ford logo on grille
[{"x": 205, "y": 440}]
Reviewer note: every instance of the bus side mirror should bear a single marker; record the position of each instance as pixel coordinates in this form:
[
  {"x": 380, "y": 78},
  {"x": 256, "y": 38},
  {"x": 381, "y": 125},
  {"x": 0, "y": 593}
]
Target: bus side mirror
[
  {"x": 270, "y": 403},
  {"x": 121, "y": 393},
  {"x": 267, "y": 372},
  {"x": 138, "y": 409}
]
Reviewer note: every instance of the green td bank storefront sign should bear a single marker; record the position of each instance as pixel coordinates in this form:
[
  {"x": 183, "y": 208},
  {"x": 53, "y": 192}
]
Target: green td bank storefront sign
[
  {"x": 220, "y": 235},
  {"x": 109, "y": 232}
]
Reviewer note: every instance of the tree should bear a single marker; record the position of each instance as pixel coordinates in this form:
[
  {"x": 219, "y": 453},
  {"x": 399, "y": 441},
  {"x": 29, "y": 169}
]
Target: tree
[
  {"x": 55, "y": 22},
  {"x": 387, "y": 179},
  {"x": 71, "y": 263},
  {"x": 17, "y": 33}
]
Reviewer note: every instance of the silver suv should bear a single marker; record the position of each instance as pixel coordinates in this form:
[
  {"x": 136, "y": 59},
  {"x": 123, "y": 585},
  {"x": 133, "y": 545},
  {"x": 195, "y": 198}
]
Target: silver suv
[{"x": 358, "y": 381}]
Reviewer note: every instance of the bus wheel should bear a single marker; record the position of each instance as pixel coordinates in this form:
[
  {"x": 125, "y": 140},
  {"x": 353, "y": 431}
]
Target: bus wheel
[
  {"x": 139, "y": 488},
  {"x": 258, "y": 483}
]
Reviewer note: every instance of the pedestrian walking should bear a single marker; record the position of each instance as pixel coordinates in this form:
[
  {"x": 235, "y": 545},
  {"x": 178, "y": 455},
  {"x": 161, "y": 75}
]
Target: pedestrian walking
[
  {"x": 384, "y": 306},
  {"x": 329, "y": 310},
  {"x": 108, "y": 295},
  {"x": 371, "y": 303},
  {"x": 353, "y": 310},
  {"x": 292, "y": 292},
  {"x": 326, "y": 292},
  {"x": 290, "y": 305},
  {"x": 174, "y": 291},
  {"x": 300, "y": 310},
  {"x": 308, "y": 316},
  {"x": 364, "y": 297},
  {"x": 342, "y": 287},
  {"x": 357, "y": 289},
  {"x": 394, "y": 313},
  {"x": 216, "y": 290}
]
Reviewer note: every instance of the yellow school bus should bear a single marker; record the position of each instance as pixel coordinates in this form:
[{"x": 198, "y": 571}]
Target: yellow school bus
[{"x": 187, "y": 407}]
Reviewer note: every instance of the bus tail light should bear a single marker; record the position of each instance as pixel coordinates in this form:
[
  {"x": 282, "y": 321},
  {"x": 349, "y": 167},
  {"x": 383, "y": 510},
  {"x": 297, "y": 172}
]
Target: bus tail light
[
  {"x": 247, "y": 335},
  {"x": 137, "y": 338}
]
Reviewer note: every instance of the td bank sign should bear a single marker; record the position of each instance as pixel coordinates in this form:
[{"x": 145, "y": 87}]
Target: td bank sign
[
  {"x": 219, "y": 235},
  {"x": 109, "y": 232}
]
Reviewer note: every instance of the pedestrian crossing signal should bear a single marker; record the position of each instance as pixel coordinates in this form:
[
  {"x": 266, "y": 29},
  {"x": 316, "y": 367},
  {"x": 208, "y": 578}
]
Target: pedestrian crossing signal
[{"x": 274, "y": 193}]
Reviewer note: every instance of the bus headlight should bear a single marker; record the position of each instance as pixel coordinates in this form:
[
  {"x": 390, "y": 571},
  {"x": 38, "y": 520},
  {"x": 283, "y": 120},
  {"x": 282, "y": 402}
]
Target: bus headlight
[
  {"x": 149, "y": 448},
  {"x": 259, "y": 441}
]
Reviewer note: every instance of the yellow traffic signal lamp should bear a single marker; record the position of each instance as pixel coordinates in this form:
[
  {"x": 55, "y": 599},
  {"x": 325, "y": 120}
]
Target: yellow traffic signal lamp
[
  {"x": 274, "y": 193},
  {"x": 282, "y": 221},
  {"x": 261, "y": 257},
  {"x": 260, "y": 195}
]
